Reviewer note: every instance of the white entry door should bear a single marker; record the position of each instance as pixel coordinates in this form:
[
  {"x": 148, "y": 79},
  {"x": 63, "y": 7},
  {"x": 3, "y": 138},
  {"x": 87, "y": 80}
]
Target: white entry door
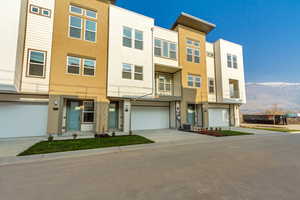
[
  {"x": 147, "y": 117},
  {"x": 23, "y": 119},
  {"x": 218, "y": 117}
]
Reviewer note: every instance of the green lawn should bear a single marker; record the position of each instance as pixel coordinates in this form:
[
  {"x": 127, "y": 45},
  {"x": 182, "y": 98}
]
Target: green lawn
[
  {"x": 83, "y": 144},
  {"x": 234, "y": 133},
  {"x": 274, "y": 129}
]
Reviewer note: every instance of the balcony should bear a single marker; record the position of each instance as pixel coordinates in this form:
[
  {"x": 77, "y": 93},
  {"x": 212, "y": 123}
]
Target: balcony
[{"x": 167, "y": 86}]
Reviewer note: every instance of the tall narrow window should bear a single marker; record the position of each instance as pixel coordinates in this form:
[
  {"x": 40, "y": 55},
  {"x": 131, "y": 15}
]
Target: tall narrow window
[
  {"x": 89, "y": 67},
  {"x": 165, "y": 49},
  {"x": 37, "y": 62},
  {"x": 229, "y": 60},
  {"x": 234, "y": 60},
  {"x": 73, "y": 65},
  {"x": 90, "y": 30},
  {"x": 138, "y": 42},
  {"x": 189, "y": 54},
  {"x": 157, "y": 48},
  {"x": 197, "y": 56},
  {"x": 197, "y": 81},
  {"x": 88, "y": 112},
  {"x": 173, "y": 51},
  {"x": 127, "y": 71},
  {"x": 138, "y": 73},
  {"x": 127, "y": 37},
  {"x": 211, "y": 85},
  {"x": 190, "y": 80},
  {"x": 75, "y": 27}
]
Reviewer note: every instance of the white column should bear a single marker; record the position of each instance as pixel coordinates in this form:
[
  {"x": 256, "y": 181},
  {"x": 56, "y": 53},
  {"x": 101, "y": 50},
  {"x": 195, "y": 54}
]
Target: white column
[{"x": 127, "y": 115}]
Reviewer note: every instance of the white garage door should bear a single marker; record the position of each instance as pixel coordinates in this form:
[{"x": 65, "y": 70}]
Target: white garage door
[
  {"x": 146, "y": 117},
  {"x": 23, "y": 119},
  {"x": 218, "y": 117}
]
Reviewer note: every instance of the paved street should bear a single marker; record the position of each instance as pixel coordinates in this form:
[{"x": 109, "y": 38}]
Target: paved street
[{"x": 265, "y": 167}]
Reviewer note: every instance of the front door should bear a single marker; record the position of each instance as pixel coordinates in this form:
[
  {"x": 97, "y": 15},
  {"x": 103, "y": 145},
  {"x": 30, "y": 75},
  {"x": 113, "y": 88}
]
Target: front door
[
  {"x": 113, "y": 116},
  {"x": 191, "y": 114},
  {"x": 73, "y": 115}
]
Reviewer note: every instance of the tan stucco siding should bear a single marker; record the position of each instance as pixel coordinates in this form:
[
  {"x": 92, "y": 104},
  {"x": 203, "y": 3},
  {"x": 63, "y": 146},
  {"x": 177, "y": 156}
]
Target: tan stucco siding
[
  {"x": 192, "y": 95},
  {"x": 62, "y": 83}
]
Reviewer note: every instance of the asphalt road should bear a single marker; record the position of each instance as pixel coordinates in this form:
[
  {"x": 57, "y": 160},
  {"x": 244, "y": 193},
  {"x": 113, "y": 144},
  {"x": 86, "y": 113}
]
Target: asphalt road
[{"x": 262, "y": 168}]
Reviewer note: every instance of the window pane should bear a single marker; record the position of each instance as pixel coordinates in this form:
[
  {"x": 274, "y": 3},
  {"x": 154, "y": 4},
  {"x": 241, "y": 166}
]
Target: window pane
[
  {"x": 90, "y": 25},
  {"x": 127, "y": 32},
  {"x": 88, "y": 106},
  {"x": 76, "y": 21},
  {"x": 36, "y": 70},
  {"x": 197, "y": 44},
  {"x": 157, "y": 51},
  {"x": 197, "y": 59},
  {"x": 189, "y": 42},
  {"x": 161, "y": 85},
  {"x": 76, "y": 9},
  {"x": 168, "y": 87},
  {"x": 88, "y": 117},
  {"x": 139, "y": 69},
  {"x": 138, "y": 35},
  {"x": 126, "y": 74},
  {"x": 73, "y": 69},
  {"x": 138, "y": 75},
  {"x": 197, "y": 52},
  {"x": 89, "y": 63},
  {"x": 165, "y": 49},
  {"x": 190, "y": 81},
  {"x": 235, "y": 64},
  {"x": 127, "y": 42},
  {"x": 91, "y": 13},
  {"x": 138, "y": 44},
  {"x": 75, "y": 32},
  {"x": 173, "y": 47},
  {"x": 90, "y": 36},
  {"x": 35, "y": 9},
  {"x": 229, "y": 62},
  {"x": 73, "y": 61},
  {"x": 89, "y": 72},
  {"x": 46, "y": 12},
  {"x": 73, "y": 65},
  {"x": 157, "y": 43},
  {"x": 197, "y": 81},
  {"x": 37, "y": 57}
]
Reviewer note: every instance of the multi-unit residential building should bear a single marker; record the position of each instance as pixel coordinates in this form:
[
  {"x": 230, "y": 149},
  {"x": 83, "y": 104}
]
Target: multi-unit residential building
[{"x": 90, "y": 66}]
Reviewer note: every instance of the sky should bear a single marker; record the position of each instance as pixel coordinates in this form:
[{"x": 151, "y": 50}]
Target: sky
[{"x": 269, "y": 30}]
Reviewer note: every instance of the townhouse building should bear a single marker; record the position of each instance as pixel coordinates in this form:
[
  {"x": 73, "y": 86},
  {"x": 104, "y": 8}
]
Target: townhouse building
[{"x": 86, "y": 66}]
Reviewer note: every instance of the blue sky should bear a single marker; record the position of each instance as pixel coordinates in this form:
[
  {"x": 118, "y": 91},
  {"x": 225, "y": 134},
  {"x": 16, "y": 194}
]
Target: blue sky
[{"x": 269, "y": 30}]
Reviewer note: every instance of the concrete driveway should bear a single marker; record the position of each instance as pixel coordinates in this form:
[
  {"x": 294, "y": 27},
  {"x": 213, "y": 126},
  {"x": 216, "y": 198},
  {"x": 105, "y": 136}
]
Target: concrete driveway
[
  {"x": 14, "y": 146},
  {"x": 170, "y": 135}
]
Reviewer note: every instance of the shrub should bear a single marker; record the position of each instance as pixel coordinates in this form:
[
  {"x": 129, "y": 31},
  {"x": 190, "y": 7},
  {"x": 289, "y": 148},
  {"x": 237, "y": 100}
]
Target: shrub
[
  {"x": 74, "y": 136},
  {"x": 50, "y": 138}
]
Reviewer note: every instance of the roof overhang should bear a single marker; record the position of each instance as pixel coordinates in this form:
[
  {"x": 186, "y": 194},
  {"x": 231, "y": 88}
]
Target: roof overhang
[{"x": 194, "y": 23}]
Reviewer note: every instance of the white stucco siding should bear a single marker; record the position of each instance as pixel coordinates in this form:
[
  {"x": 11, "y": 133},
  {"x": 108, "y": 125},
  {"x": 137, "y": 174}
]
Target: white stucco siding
[
  {"x": 13, "y": 15},
  {"x": 210, "y": 63},
  {"x": 225, "y": 73},
  {"x": 168, "y": 35},
  {"x": 118, "y": 54},
  {"x": 38, "y": 37}
]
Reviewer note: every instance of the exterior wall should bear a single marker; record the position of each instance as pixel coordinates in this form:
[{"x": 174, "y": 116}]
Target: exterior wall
[
  {"x": 38, "y": 37},
  {"x": 12, "y": 44},
  {"x": 118, "y": 54},
  {"x": 78, "y": 86},
  {"x": 192, "y": 95},
  {"x": 223, "y": 73},
  {"x": 167, "y": 35},
  {"x": 210, "y": 62}
]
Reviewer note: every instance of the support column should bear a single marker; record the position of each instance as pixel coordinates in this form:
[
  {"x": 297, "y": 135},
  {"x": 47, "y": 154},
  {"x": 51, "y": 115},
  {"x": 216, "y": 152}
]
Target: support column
[
  {"x": 205, "y": 115},
  {"x": 101, "y": 117},
  {"x": 127, "y": 116},
  {"x": 55, "y": 110}
]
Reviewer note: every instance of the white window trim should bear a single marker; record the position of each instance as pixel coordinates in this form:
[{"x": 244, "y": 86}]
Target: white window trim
[
  {"x": 187, "y": 52},
  {"x": 80, "y": 65},
  {"x": 83, "y": 67},
  {"x": 135, "y": 39},
  {"x": 32, "y": 7},
  {"x": 85, "y": 29},
  {"x": 83, "y": 111},
  {"x": 194, "y": 81},
  {"x": 157, "y": 47},
  {"x": 44, "y": 65},
  {"x": 70, "y": 10},
  {"x": 211, "y": 86},
  {"x": 49, "y": 12},
  {"x": 229, "y": 60},
  {"x": 81, "y": 35},
  {"x": 124, "y": 36},
  {"x": 85, "y": 14},
  {"x": 140, "y": 73},
  {"x": 131, "y": 71}
]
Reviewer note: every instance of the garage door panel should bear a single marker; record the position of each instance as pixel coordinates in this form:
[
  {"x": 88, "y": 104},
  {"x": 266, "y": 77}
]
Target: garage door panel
[
  {"x": 218, "y": 117},
  {"x": 23, "y": 119},
  {"x": 146, "y": 118}
]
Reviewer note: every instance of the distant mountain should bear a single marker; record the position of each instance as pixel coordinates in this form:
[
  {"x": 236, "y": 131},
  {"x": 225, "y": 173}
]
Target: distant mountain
[{"x": 262, "y": 96}]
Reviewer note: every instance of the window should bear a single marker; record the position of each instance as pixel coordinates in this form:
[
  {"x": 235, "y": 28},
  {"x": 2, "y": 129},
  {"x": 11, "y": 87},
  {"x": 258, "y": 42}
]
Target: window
[
  {"x": 235, "y": 64},
  {"x": 127, "y": 37},
  {"x": 76, "y": 10},
  {"x": 88, "y": 112},
  {"x": 165, "y": 49},
  {"x": 194, "y": 81},
  {"x": 89, "y": 67},
  {"x": 75, "y": 27},
  {"x": 35, "y": 9},
  {"x": 138, "y": 42},
  {"x": 138, "y": 73},
  {"x": 196, "y": 43},
  {"x": 197, "y": 56},
  {"x": 173, "y": 51},
  {"x": 46, "y": 12},
  {"x": 229, "y": 61},
  {"x": 164, "y": 84},
  {"x": 157, "y": 47},
  {"x": 91, "y": 14},
  {"x": 90, "y": 30},
  {"x": 210, "y": 54},
  {"x": 189, "y": 54},
  {"x": 127, "y": 71},
  {"x": 189, "y": 42},
  {"x": 211, "y": 85},
  {"x": 37, "y": 62},
  {"x": 73, "y": 65}
]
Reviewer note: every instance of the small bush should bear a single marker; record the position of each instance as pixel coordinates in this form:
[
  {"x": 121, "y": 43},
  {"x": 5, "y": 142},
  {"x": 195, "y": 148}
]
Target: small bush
[
  {"x": 74, "y": 136},
  {"x": 50, "y": 138},
  {"x": 113, "y": 134}
]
